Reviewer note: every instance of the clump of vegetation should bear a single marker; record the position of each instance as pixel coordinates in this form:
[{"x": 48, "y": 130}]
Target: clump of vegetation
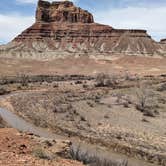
[
  {"x": 40, "y": 153},
  {"x": 55, "y": 85},
  {"x": 105, "y": 80},
  {"x": 162, "y": 87},
  {"x": 78, "y": 82},
  {"x": 90, "y": 103},
  {"x": 119, "y": 97},
  {"x": 85, "y": 86},
  {"x": 3, "y": 91},
  {"x": 129, "y": 77},
  {"x": 76, "y": 154},
  {"x": 2, "y": 123},
  {"x": 82, "y": 118},
  {"x": 126, "y": 105},
  {"x": 93, "y": 160},
  {"x": 3, "y": 80},
  {"x": 24, "y": 79},
  {"x": 146, "y": 102}
]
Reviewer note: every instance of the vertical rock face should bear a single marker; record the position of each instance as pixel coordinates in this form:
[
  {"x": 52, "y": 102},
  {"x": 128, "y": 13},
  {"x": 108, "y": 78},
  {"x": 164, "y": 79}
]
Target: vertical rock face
[
  {"x": 163, "y": 45},
  {"x": 163, "y": 41},
  {"x": 62, "y": 12},
  {"x": 63, "y": 29}
]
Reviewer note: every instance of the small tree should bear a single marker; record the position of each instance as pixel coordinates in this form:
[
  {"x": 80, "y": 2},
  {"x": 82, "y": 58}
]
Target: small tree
[
  {"x": 24, "y": 79},
  {"x": 105, "y": 80},
  {"x": 142, "y": 97},
  {"x": 145, "y": 100}
]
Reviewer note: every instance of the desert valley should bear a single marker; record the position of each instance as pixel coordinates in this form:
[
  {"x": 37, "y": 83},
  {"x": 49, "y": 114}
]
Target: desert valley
[{"x": 74, "y": 92}]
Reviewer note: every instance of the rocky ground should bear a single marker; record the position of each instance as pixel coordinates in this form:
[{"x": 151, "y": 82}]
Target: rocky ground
[
  {"x": 25, "y": 149},
  {"x": 124, "y": 114},
  {"x": 83, "y": 65}
]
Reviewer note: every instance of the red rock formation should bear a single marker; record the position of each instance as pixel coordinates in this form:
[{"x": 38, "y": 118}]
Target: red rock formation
[
  {"x": 61, "y": 12},
  {"x": 62, "y": 28},
  {"x": 163, "y": 41},
  {"x": 163, "y": 45}
]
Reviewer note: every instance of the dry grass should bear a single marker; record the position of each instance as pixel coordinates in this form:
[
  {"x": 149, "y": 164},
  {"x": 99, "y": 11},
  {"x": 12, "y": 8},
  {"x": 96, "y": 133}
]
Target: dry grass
[{"x": 93, "y": 160}]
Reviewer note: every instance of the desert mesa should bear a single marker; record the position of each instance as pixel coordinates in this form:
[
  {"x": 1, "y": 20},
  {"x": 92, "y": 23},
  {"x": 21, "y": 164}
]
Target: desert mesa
[{"x": 61, "y": 29}]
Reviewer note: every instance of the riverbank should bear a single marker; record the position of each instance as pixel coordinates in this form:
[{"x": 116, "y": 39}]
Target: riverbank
[
  {"x": 98, "y": 115},
  {"x": 26, "y": 149}
]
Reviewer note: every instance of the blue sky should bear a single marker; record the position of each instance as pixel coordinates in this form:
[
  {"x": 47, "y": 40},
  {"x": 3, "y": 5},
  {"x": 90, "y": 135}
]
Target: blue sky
[{"x": 16, "y": 15}]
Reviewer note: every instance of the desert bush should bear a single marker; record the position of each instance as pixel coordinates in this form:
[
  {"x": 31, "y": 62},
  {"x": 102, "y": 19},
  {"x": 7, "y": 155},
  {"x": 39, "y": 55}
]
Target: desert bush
[
  {"x": 93, "y": 160},
  {"x": 146, "y": 102},
  {"x": 40, "y": 153},
  {"x": 106, "y": 116},
  {"x": 24, "y": 79},
  {"x": 77, "y": 154},
  {"x": 119, "y": 97},
  {"x": 3, "y": 80},
  {"x": 149, "y": 112},
  {"x": 126, "y": 104},
  {"x": 105, "y": 80},
  {"x": 127, "y": 76},
  {"x": 2, "y": 123},
  {"x": 162, "y": 87},
  {"x": 3, "y": 91},
  {"x": 78, "y": 82},
  {"x": 55, "y": 85},
  {"x": 107, "y": 162},
  {"x": 90, "y": 103},
  {"x": 130, "y": 77},
  {"x": 82, "y": 118},
  {"x": 85, "y": 86},
  {"x": 145, "y": 120}
]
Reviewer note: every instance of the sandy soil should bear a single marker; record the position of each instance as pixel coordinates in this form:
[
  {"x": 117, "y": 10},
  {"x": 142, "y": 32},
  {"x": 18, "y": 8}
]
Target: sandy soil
[{"x": 135, "y": 65}]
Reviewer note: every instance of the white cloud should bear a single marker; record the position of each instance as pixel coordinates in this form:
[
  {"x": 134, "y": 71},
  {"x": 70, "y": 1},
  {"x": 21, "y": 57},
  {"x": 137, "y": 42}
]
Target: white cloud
[
  {"x": 151, "y": 19},
  {"x": 12, "y": 25}
]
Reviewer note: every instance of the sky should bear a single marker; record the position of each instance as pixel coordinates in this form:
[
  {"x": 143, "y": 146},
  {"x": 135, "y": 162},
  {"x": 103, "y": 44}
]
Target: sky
[{"x": 17, "y": 15}]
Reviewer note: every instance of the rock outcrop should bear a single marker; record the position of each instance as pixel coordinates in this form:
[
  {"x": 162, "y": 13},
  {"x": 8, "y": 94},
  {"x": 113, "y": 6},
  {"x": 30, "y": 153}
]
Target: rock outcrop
[
  {"x": 163, "y": 45},
  {"x": 61, "y": 12},
  {"x": 163, "y": 41},
  {"x": 63, "y": 29}
]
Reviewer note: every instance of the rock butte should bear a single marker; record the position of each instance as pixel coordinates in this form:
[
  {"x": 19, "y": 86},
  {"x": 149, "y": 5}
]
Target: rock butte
[
  {"x": 62, "y": 29},
  {"x": 163, "y": 41}
]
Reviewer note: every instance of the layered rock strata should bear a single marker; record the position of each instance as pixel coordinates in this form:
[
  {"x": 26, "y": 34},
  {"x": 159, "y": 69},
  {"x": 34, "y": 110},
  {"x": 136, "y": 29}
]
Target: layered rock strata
[
  {"x": 163, "y": 45},
  {"x": 62, "y": 29}
]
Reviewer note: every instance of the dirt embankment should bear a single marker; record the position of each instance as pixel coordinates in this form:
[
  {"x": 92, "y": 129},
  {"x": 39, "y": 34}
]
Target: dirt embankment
[{"x": 24, "y": 149}]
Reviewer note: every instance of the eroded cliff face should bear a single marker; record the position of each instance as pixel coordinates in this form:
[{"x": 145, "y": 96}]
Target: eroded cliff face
[
  {"x": 62, "y": 29},
  {"x": 64, "y": 11},
  {"x": 163, "y": 41},
  {"x": 163, "y": 45}
]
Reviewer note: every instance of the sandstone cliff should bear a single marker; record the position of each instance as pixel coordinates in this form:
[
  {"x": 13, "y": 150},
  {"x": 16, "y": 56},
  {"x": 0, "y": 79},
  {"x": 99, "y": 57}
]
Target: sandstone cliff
[
  {"x": 163, "y": 45},
  {"x": 63, "y": 29},
  {"x": 163, "y": 41}
]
